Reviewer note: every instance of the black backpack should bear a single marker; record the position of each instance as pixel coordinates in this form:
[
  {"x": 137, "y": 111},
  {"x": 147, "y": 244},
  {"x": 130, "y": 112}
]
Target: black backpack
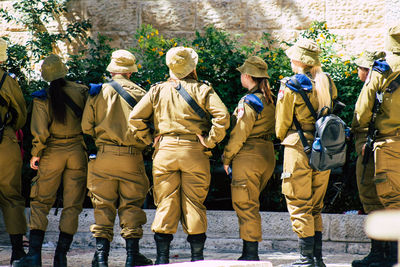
[{"x": 328, "y": 150}]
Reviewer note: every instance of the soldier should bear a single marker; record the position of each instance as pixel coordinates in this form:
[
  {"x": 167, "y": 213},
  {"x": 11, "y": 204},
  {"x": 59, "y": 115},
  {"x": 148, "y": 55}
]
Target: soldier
[
  {"x": 116, "y": 179},
  {"x": 303, "y": 187},
  {"x": 12, "y": 118},
  {"x": 58, "y": 153},
  {"x": 365, "y": 175},
  {"x": 188, "y": 118},
  {"x": 383, "y": 88},
  {"x": 251, "y": 152}
]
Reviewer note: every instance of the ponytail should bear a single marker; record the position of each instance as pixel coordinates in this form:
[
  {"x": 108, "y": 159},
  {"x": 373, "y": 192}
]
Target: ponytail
[
  {"x": 265, "y": 88},
  {"x": 57, "y": 99},
  {"x": 322, "y": 84}
]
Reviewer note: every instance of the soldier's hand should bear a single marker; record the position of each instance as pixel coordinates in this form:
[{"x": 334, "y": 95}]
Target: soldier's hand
[
  {"x": 226, "y": 168},
  {"x": 35, "y": 163},
  {"x": 201, "y": 138},
  {"x": 156, "y": 139}
]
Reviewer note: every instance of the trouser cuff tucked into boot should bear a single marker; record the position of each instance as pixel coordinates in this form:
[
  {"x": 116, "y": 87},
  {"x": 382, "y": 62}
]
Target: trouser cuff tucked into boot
[
  {"x": 133, "y": 257},
  {"x": 306, "y": 246},
  {"x": 197, "y": 246},
  {"x": 250, "y": 251},
  {"x": 163, "y": 242}
]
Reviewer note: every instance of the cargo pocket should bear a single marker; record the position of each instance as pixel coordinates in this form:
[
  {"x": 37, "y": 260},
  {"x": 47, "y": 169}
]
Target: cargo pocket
[
  {"x": 383, "y": 185},
  {"x": 34, "y": 187},
  {"x": 240, "y": 192},
  {"x": 287, "y": 187}
]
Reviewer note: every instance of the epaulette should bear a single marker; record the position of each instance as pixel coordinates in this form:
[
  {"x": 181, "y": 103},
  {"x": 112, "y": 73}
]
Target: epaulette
[
  {"x": 380, "y": 66},
  {"x": 254, "y": 102},
  {"x": 299, "y": 81},
  {"x": 154, "y": 84},
  {"x": 42, "y": 94},
  {"x": 95, "y": 88},
  {"x": 206, "y": 82},
  {"x": 12, "y": 75}
]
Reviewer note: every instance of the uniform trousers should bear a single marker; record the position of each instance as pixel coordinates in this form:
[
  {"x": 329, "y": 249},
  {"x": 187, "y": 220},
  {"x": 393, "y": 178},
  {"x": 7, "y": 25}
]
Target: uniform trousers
[
  {"x": 304, "y": 190},
  {"x": 63, "y": 161},
  {"x": 252, "y": 167},
  {"x": 387, "y": 171},
  {"x": 12, "y": 203},
  {"x": 181, "y": 176},
  {"x": 366, "y": 188},
  {"x": 117, "y": 181}
]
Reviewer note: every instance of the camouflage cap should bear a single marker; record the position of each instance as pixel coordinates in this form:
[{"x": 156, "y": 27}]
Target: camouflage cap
[
  {"x": 3, "y": 50},
  {"x": 306, "y": 51},
  {"x": 181, "y": 61},
  {"x": 53, "y": 68},
  {"x": 255, "y": 67},
  {"x": 367, "y": 58},
  {"x": 393, "y": 39},
  {"x": 122, "y": 61}
]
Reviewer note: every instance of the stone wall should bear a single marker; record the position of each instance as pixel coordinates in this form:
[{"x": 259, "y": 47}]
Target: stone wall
[{"x": 361, "y": 23}]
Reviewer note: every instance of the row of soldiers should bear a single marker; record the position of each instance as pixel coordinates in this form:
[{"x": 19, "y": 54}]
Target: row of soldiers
[{"x": 188, "y": 118}]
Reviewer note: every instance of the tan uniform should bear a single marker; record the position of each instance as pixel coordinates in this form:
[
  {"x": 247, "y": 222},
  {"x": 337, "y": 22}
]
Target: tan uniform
[
  {"x": 62, "y": 159},
  {"x": 181, "y": 169},
  {"x": 117, "y": 175},
  {"x": 303, "y": 187},
  {"x": 387, "y": 145},
  {"x": 251, "y": 152},
  {"x": 12, "y": 203}
]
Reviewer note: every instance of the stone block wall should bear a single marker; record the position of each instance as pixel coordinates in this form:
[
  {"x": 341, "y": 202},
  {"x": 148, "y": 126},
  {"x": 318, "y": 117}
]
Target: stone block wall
[{"x": 361, "y": 23}]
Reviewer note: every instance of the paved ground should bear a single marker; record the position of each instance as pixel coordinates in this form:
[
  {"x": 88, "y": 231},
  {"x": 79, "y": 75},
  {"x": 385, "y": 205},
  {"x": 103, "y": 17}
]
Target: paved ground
[{"x": 82, "y": 257}]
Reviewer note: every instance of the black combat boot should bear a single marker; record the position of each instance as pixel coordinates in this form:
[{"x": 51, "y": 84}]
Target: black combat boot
[
  {"x": 17, "y": 248},
  {"x": 318, "y": 250},
  {"x": 306, "y": 246},
  {"x": 162, "y": 242},
  {"x": 34, "y": 256},
  {"x": 133, "y": 257},
  {"x": 250, "y": 251},
  {"x": 391, "y": 256},
  {"x": 63, "y": 245},
  {"x": 100, "y": 258},
  {"x": 375, "y": 256},
  {"x": 197, "y": 246}
]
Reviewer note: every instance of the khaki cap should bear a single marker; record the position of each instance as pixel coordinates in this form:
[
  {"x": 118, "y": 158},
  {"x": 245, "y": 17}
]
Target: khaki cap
[
  {"x": 255, "y": 67},
  {"x": 53, "y": 68},
  {"x": 306, "y": 51},
  {"x": 122, "y": 61},
  {"x": 3, "y": 50},
  {"x": 367, "y": 58},
  {"x": 393, "y": 39},
  {"x": 181, "y": 61}
]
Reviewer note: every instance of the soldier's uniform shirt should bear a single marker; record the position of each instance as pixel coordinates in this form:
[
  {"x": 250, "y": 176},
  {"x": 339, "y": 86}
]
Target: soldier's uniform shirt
[
  {"x": 251, "y": 152},
  {"x": 181, "y": 170},
  {"x": 62, "y": 160},
  {"x": 12, "y": 203},
  {"x": 118, "y": 173},
  {"x": 303, "y": 187},
  {"x": 387, "y": 145}
]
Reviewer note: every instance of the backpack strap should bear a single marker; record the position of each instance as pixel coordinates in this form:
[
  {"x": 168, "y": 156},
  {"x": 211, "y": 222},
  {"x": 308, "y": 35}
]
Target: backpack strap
[
  {"x": 394, "y": 84},
  {"x": 192, "y": 103},
  {"x": 300, "y": 90},
  {"x": 306, "y": 146},
  {"x": 122, "y": 92},
  {"x": 75, "y": 108},
  {"x": 3, "y": 102},
  {"x": 254, "y": 102}
]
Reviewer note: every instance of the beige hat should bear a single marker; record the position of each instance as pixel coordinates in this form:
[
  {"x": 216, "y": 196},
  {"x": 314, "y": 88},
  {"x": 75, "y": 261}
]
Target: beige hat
[
  {"x": 122, "y": 61},
  {"x": 393, "y": 39},
  {"x": 367, "y": 58},
  {"x": 181, "y": 61},
  {"x": 3, "y": 50},
  {"x": 305, "y": 51},
  {"x": 255, "y": 67},
  {"x": 53, "y": 68}
]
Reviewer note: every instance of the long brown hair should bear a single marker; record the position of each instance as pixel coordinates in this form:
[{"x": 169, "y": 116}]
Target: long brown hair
[
  {"x": 57, "y": 99},
  {"x": 263, "y": 84}
]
